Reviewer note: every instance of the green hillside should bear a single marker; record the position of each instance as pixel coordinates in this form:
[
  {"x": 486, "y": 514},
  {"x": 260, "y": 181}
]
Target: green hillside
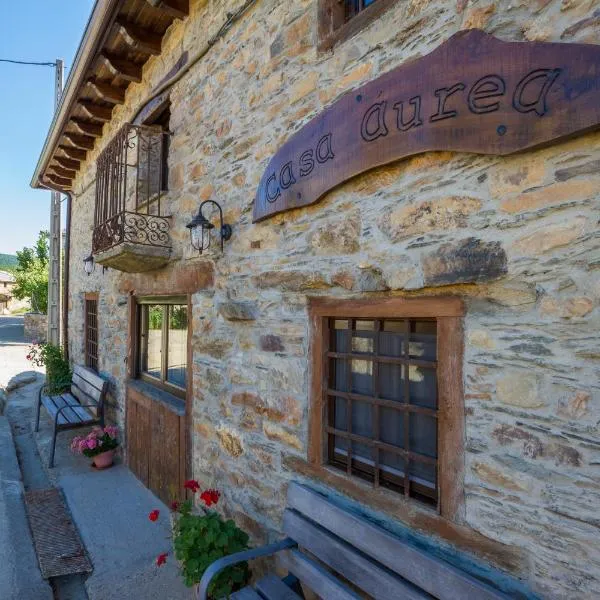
[{"x": 8, "y": 262}]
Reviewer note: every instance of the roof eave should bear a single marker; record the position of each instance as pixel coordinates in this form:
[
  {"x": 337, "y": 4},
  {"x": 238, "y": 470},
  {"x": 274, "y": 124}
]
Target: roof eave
[{"x": 97, "y": 25}]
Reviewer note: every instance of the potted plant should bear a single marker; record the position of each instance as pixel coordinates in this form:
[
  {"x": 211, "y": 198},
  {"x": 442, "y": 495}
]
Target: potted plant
[
  {"x": 100, "y": 444},
  {"x": 201, "y": 536}
]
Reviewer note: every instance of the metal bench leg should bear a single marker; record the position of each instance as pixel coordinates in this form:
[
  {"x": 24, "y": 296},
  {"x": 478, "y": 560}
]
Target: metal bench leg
[
  {"x": 51, "y": 462},
  {"x": 37, "y": 417}
]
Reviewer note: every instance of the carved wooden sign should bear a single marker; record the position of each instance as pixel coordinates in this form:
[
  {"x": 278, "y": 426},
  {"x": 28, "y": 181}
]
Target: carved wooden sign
[{"x": 474, "y": 93}]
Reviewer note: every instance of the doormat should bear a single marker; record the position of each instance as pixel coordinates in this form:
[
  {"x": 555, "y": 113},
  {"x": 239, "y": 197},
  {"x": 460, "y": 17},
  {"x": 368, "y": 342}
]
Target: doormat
[{"x": 57, "y": 543}]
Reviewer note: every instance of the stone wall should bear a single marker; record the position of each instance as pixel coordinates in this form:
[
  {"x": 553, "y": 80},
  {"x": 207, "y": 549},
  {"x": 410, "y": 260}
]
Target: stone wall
[
  {"x": 36, "y": 327},
  {"x": 516, "y": 237}
]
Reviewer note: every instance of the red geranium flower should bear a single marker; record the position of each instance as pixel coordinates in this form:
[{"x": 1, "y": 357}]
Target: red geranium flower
[
  {"x": 210, "y": 497},
  {"x": 161, "y": 559},
  {"x": 153, "y": 516},
  {"x": 175, "y": 505},
  {"x": 191, "y": 484}
]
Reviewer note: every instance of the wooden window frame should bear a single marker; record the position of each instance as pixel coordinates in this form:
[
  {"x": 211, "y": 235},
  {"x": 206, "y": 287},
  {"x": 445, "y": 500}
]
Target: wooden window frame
[
  {"x": 333, "y": 27},
  {"x": 90, "y": 297},
  {"x": 448, "y": 312},
  {"x": 137, "y": 350}
]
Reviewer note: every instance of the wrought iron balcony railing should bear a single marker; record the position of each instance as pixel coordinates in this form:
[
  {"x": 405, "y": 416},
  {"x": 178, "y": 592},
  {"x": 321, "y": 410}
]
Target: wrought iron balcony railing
[{"x": 130, "y": 185}]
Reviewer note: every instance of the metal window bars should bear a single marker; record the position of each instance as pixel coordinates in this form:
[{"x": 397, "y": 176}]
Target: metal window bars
[{"x": 130, "y": 189}]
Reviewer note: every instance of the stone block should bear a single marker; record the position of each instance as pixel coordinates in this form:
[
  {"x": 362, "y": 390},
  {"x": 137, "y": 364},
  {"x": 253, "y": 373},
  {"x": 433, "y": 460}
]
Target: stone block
[
  {"x": 337, "y": 237},
  {"x": 238, "y": 310},
  {"x": 441, "y": 214},
  {"x": 271, "y": 343},
  {"x": 520, "y": 388},
  {"x": 230, "y": 442},
  {"x": 469, "y": 261}
]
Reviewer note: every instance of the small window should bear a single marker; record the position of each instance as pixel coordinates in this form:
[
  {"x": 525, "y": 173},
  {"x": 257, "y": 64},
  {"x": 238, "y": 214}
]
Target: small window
[
  {"x": 163, "y": 345},
  {"x": 91, "y": 331},
  {"x": 341, "y": 19},
  {"x": 387, "y": 395}
]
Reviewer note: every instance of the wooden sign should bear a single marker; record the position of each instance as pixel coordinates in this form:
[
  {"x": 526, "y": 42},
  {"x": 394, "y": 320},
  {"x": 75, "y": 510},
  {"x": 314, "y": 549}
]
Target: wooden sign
[{"x": 474, "y": 93}]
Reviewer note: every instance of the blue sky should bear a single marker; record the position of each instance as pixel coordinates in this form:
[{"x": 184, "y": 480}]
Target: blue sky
[{"x": 37, "y": 30}]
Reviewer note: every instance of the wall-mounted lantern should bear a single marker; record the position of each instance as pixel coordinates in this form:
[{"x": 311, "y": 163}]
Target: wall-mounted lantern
[
  {"x": 89, "y": 265},
  {"x": 200, "y": 228}
]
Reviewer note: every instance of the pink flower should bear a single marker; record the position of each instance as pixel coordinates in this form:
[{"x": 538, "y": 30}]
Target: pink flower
[
  {"x": 112, "y": 431},
  {"x": 92, "y": 443}
]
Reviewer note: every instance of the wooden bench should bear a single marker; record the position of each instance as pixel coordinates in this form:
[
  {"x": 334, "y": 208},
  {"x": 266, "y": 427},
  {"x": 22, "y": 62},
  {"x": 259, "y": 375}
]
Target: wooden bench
[
  {"x": 82, "y": 407},
  {"x": 342, "y": 543}
]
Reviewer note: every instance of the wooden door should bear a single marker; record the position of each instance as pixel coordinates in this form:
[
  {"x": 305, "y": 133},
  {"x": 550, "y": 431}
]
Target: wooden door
[{"x": 156, "y": 444}]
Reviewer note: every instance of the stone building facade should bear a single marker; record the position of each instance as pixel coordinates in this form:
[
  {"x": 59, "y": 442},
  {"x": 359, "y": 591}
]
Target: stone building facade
[{"x": 514, "y": 237}]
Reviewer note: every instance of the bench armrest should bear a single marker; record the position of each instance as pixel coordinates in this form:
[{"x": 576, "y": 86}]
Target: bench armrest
[{"x": 239, "y": 557}]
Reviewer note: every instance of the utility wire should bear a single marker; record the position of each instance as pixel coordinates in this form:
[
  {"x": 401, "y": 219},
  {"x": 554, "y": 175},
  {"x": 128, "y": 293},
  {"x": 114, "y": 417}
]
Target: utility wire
[{"x": 25, "y": 62}]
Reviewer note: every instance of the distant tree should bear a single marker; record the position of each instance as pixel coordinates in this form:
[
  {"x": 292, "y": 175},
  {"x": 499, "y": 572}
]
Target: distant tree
[{"x": 31, "y": 273}]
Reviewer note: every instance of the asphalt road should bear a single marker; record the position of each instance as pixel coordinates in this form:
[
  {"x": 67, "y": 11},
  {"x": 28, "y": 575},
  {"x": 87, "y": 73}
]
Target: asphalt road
[{"x": 11, "y": 331}]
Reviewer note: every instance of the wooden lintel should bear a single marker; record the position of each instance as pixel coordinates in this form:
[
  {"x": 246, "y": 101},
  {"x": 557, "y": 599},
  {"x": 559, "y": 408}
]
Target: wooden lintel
[
  {"x": 108, "y": 92},
  {"x": 96, "y": 111},
  {"x": 72, "y": 152},
  {"x": 80, "y": 141},
  {"x": 125, "y": 69},
  {"x": 67, "y": 163},
  {"x": 67, "y": 173},
  {"x": 60, "y": 181},
  {"x": 178, "y": 9},
  {"x": 141, "y": 40},
  {"x": 87, "y": 128}
]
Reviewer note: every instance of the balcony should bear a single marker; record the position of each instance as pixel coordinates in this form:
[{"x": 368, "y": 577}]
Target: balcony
[{"x": 131, "y": 229}]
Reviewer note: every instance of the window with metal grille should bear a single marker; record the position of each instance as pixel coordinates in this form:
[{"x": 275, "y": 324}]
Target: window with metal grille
[
  {"x": 91, "y": 331},
  {"x": 382, "y": 403}
]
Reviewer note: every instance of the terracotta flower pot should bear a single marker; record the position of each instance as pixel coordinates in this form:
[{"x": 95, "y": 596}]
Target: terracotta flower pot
[{"x": 104, "y": 460}]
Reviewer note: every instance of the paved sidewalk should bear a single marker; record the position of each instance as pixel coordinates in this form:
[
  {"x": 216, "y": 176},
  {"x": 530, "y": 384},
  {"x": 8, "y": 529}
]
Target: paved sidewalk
[{"x": 110, "y": 509}]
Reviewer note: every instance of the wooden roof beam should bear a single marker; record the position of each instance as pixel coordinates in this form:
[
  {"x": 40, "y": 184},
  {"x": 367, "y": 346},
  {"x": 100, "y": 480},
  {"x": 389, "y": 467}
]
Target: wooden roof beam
[
  {"x": 80, "y": 141},
  {"x": 108, "y": 92},
  {"x": 122, "y": 68},
  {"x": 140, "y": 40},
  {"x": 60, "y": 181},
  {"x": 67, "y": 163},
  {"x": 66, "y": 173},
  {"x": 87, "y": 128},
  {"x": 96, "y": 111},
  {"x": 74, "y": 153},
  {"x": 178, "y": 9}
]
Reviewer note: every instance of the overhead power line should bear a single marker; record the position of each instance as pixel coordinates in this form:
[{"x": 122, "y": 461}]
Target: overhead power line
[{"x": 26, "y": 62}]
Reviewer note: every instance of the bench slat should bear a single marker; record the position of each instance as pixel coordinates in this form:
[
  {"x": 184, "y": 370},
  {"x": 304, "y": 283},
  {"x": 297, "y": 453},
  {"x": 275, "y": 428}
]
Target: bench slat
[
  {"x": 246, "y": 593},
  {"x": 369, "y": 576},
  {"x": 436, "y": 577},
  {"x": 272, "y": 588},
  {"x": 90, "y": 377},
  {"x": 84, "y": 414},
  {"x": 315, "y": 576},
  {"x": 68, "y": 415},
  {"x": 83, "y": 398},
  {"x": 75, "y": 413},
  {"x": 52, "y": 409}
]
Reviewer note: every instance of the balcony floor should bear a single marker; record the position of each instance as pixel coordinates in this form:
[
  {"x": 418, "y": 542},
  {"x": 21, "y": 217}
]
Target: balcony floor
[{"x": 134, "y": 258}]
